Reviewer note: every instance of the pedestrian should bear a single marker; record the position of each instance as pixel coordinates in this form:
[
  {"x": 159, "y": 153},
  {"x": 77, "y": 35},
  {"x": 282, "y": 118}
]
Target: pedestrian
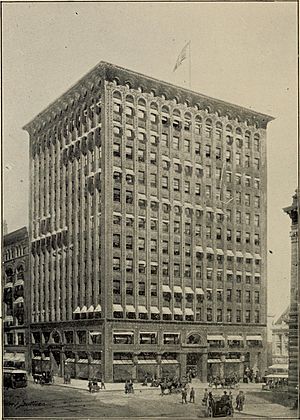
[
  {"x": 192, "y": 395},
  {"x": 183, "y": 395},
  {"x": 126, "y": 387},
  {"x": 205, "y": 396},
  {"x": 90, "y": 385},
  {"x": 240, "y": 400},
  {"x": 230, "y": 396},
  {"x": 102, "y": 384}
]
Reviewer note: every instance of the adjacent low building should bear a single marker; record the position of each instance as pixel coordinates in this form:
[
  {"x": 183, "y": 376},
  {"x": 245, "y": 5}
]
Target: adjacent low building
[
  {"x": 15, "y": 283},
  {"x": 147, "y": 231},
  {"x": 293, "y": 344}
]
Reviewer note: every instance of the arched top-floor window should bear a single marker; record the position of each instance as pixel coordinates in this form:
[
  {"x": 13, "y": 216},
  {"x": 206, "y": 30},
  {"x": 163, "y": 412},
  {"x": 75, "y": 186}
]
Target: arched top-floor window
[
  {"x": 142, "y": 102},
  {"x": 208, "y": 127},
  {"x": 117, "y": 95}
]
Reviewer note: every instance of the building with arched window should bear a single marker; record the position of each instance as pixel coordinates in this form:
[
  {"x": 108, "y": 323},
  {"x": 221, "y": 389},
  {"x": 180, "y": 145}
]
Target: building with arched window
[
  {"x": 147, "y": 231},
  {"x": 15, "y": 283}
]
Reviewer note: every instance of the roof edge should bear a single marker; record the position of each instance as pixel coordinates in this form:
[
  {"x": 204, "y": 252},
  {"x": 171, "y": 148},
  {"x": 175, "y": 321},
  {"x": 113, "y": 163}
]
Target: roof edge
[{"x": 104, "y": 66}]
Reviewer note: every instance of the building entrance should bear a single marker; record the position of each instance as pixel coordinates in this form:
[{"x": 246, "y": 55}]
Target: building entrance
[
  {"x": 56, "y": 363},
  {"x": 193, "y": 365}
]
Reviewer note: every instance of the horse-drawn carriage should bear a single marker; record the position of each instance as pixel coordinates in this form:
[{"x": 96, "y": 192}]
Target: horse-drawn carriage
[
  {"x": 44, "y": 378},
  {"x": 219, "y": 407}
]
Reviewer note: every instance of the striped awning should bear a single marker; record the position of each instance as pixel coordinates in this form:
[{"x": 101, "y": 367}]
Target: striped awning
[
  {"x": 199, "y": 291},
  {"x": 188, "y": 291},
  {"x": 166, "y": 288},
  {"x": 177, "y": 289},
  {"x": 142, "y": 309},
  {"x": 166, "y": 311},
  {"x": 215, "y": 338},
  {"x": 130, "y": 308},
  {"x": 254, "y": 338},
  {"x": 154, "y": 310},
  {"x": 177, "y": 311},
  {"x": 117, "y": 308},
  {"x": 188, "y": 312}
]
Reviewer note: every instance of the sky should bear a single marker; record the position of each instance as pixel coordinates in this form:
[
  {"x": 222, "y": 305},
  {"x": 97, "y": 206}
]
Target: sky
[{"x": 244, "y": 53}]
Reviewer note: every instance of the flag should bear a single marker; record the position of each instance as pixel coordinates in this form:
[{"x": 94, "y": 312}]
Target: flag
[{"x": 182, "y": 56}]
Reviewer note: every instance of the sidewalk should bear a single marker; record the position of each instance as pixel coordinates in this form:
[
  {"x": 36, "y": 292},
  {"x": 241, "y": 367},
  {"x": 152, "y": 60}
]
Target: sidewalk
[{"x": 83, "y": 385}]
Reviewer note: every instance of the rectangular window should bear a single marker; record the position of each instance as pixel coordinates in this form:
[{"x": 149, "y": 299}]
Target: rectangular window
[
  {"x": 117, "y": 194},
  {"x": 148, "y": 338},
  {"x": 229, "y": 315},
  {"x": 153, "y": 158},
  {"x": 116, "y": 149},
  {"x": 176, "y": 270},
  {"x": 129, "y": 197},
  {"x": 176, "y": 226},
  {"x": 247, "y": 199},
  {"x": 129, "y": 287},
  {"x": 256, "y": 183},
  {"x": 141, "y": 244},
  {"x": 209, "y": 314},
  {"x": 257, "y": 201},
  {"x": 171, "y": 338},
  {"x": 176, "y": 143},
  {"x": 248, "y": 316},
  {"x": 153, "y": 287},
  {"x": 141, "y": 177},
  {"x": 153, "y": 245},
  {"x": 247, "y": 181},
  {"x": 116, "y": 287},
  {"x": 164, "y": 140},
  {"x": 141, "y": 222},
  {"x": 238, "y": 315},
  {"x": 116, "y": 240},
  {"x": 256, "y": 297},
  {"x": 142, "y": 288},
  {"x": 256, "y": 163},
  {"x": 219, "y": 315},
  {"x": 165, "y": 269},
  {"x": 197, "y": 148},
  {"x": 154, "y": 139},
  {"x": 187, "y": 146},
  {"x": 129, "y": 264},
  {"x": 247, "y": 296},
  {"x": 165, "y": 182},
  {"x": 256, "y": 220},
  {"x": 207, "y": 150},
  {"x": 187, "y": 187},
  {"x": 208, "y": 191},
  {"x": 165, "y": 247},
  {"x": 153, "y": 180},
  {"x": 123, "y": 338},
  {"x": 176, "y": 184},
  {"x": 141, "y": 155},
  {"x": 116, "y": 263},
  {"x": 256, "y": 317},
  {"x": 129, "y": 152},
  {"x": 238, "y": 159},
  {"x": 238, "y": 296},
  {"x": 229, "y": 295}
]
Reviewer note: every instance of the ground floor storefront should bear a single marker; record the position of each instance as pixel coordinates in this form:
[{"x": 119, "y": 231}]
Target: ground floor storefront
[{"x": 120, "y": 351}]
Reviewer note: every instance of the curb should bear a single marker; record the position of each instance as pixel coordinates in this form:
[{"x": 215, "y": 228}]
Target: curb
[{"x": 101, "y": 390}]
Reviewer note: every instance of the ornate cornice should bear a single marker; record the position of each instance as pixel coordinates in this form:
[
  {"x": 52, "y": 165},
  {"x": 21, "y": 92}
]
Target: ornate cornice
[
  {"x": 292, "y": 210},
  {"x": 82, "y": 91}
]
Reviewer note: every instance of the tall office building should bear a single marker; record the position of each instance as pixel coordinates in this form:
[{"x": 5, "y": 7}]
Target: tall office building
[
  {"x": 15, "y": 290},
  {"x": 147, "y": 230},
  {"x": 293, "y": 344}
]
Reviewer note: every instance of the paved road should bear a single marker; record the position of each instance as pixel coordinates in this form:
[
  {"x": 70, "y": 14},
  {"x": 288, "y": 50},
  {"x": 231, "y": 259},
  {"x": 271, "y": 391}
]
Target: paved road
[{"x": 54, "y": 401}]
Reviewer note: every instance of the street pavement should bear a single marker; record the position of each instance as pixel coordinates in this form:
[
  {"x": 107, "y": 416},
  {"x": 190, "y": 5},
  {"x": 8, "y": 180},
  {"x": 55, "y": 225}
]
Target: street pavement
[{"x": 56, "y": 401}]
